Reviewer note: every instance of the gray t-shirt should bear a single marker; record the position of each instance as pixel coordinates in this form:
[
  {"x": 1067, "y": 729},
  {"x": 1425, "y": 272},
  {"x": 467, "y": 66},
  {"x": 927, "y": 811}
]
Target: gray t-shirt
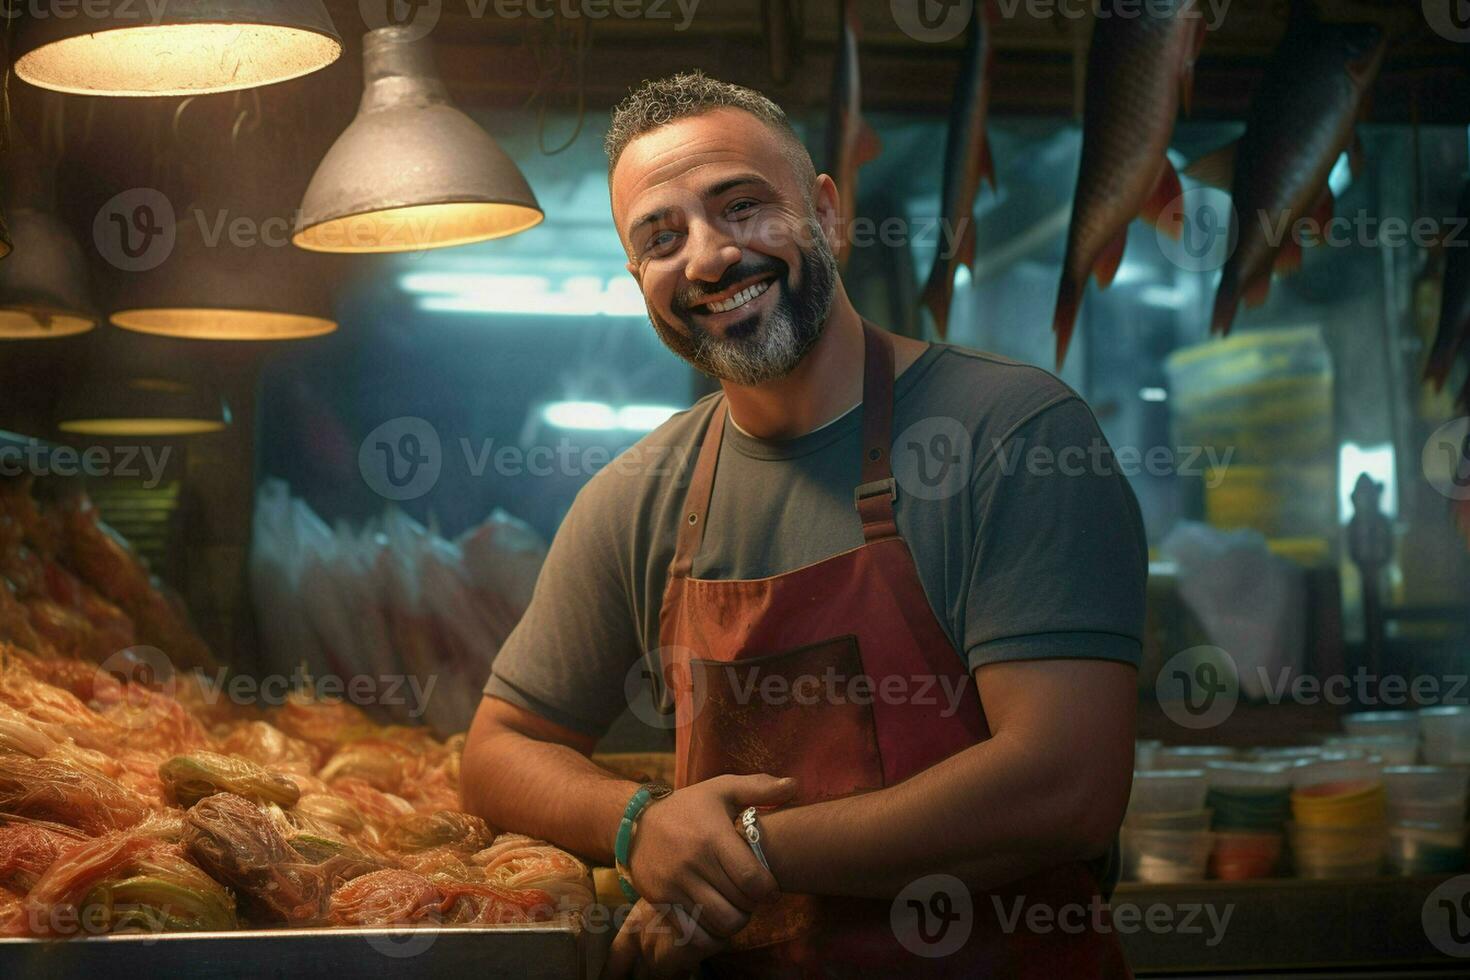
[{"x": 1028, "y": 542}]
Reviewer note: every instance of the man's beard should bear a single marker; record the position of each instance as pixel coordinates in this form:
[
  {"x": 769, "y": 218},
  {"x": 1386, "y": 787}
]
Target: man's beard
[{"x": 759, "y": 348}]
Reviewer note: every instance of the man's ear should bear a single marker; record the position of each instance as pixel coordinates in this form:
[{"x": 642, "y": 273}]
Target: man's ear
[{"x": 828, "y": 206}]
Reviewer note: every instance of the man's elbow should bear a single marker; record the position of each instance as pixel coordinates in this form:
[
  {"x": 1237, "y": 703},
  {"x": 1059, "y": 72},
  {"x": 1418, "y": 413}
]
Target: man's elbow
[{"x": 1090, "y": 816}]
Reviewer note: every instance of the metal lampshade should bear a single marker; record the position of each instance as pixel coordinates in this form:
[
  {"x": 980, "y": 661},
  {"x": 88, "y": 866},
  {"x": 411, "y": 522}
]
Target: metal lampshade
[
  {"x": 43, "y": 284},
  {"x": 216, "y": 290},
  {"x": 189, "y": 47},
  {"x": 143, "y": 407},
  {"x": 412, "y": 172}
]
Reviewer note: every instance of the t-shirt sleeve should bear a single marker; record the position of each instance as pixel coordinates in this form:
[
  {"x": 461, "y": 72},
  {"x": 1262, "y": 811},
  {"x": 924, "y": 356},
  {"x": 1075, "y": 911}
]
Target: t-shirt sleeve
[
  {"x": 568, "y": 657},
  {"x": 1059, "y": 565}
]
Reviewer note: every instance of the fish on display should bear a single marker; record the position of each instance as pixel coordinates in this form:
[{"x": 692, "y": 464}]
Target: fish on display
[
  {"x": 1140, "y": 71},
  {"x": 1301, "y": 120},
  {"x": 1454, "y": 310},
  {"x": 851, "y": 142},
  {"x": 967, "y": 161}
]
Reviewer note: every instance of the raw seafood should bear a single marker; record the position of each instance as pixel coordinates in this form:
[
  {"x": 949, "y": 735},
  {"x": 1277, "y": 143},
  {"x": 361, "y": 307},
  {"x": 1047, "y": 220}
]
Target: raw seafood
[
  {"x": 160, "y": 892},
  {"x": 967, "y": 161},
  {"x": 1301, "y": 120},
  {"x": 266, "y": 745},
  {"x": 851, "y": 142},
  {"x": 389, "y": 897},
  {"x": 291, "y": 803},
  {"x": 29, "y": 847},
  {"x": 45, "y": 789},
  {"x": 187, "y": 779},
  {"x": 106, "y": 563},
  {"x": 1140, "y": 70},
  {"x": 235, "y": 841},
  {"x": 447, "y": 829}
]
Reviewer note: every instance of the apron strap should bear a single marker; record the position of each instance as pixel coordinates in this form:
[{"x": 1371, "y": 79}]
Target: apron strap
[
  {"x": 878, "y": 490},
  {"x": 874, "y": 498},
  {"x": 697, "y": 498}
]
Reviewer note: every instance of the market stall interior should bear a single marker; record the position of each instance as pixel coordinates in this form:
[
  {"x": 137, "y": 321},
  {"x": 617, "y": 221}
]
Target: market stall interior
[{"x": 313, "y": 324}]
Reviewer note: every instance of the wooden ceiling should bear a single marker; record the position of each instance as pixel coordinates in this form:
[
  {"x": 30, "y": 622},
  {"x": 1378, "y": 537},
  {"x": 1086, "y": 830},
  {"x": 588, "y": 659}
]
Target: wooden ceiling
[{"x": 496, "y": 61}]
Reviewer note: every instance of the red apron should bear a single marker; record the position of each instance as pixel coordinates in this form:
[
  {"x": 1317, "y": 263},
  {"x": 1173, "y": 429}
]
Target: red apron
[{"x": 752, "y": 665}]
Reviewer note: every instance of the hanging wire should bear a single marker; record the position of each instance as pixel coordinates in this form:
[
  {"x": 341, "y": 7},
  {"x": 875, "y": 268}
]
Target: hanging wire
[
  {"x": 552, "y": 67},
  {"x": 243, "y": 113},
  {"x": 5, "y": 84}
]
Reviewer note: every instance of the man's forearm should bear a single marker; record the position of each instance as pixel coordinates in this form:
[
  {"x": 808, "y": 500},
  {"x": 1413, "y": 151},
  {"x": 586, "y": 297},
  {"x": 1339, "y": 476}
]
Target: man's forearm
[
  {"x": 989, "y": 815},
  {"x": 546, "y": 790}
]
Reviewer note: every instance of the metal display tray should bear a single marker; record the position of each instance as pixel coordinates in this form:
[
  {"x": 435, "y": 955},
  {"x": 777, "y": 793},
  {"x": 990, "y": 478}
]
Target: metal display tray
[{"x": 562, "y": 950}]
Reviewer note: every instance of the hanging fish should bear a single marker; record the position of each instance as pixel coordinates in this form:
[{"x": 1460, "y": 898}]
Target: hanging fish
[
  {"x": 1140, "y": 71},
  {"x": 1301, "y": 120},
  {"x": 967, "y": 161},
  {"x": 1454, "y": 310},
  {"x": 851, "y": 142}
]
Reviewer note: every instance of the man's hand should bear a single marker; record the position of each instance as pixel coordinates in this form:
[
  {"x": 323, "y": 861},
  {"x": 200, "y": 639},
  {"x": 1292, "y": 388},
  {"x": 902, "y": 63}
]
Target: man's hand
[
  {"x": 659, "y": 943},
  {"x": 687, "y": 852}
]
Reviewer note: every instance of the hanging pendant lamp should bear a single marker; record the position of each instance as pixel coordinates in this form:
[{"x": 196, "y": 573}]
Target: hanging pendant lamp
[
  {"x": 43, "y": 283},
  {"x": 143, "y": 407},
  {"x": 127, "y": 385},
  {"x": 218, "y": 290},
  {"x": 185, "y": 47},
  {"x": 412, "y": 172}
]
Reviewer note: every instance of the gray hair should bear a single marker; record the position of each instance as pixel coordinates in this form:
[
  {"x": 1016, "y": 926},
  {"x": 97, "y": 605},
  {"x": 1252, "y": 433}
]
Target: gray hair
[{"x": 658, "y": 103}]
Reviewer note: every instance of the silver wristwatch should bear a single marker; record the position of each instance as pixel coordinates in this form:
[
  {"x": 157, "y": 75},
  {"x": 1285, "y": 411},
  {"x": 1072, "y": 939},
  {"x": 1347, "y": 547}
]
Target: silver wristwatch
[{"x": 751, "y": 828}]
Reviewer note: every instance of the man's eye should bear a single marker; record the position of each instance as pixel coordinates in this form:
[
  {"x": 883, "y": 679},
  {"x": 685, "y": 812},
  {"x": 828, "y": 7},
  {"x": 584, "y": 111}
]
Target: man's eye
[
  {"x": 741, "y": 206},
  {"x": 661, "y": 242}
]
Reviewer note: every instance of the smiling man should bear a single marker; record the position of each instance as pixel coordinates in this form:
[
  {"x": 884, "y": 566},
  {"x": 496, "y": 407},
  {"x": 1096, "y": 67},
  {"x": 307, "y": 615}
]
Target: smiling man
[{"x": 893, "y": 698}]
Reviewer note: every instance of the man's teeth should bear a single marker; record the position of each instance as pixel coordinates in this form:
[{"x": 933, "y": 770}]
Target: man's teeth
[{"x": 739, "y": 299}]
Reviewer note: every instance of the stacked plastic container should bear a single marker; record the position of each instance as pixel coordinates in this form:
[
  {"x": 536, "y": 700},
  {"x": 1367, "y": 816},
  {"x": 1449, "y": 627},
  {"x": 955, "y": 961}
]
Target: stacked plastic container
[
  {"x": 1446, "y": 735},
  {"x": 1166, "y": 834},
  {"x": 1404, "y": 724},
  {"x": 1339, "y": 817},
  {"x": 1191, "y": 756},
  {"x": 1426, "y": 815},
  {"x": 1251, "y": 805}
]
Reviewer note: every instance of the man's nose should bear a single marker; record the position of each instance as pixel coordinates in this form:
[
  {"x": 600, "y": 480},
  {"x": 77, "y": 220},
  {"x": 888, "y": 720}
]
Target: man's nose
[{"x": 711, "y": 253}]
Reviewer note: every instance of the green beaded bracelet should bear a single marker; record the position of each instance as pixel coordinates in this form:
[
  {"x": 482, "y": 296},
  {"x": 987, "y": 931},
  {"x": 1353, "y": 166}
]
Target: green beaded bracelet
[
  {"x": 636, "y": 805},
  {"x": 645, "y": 795}
]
